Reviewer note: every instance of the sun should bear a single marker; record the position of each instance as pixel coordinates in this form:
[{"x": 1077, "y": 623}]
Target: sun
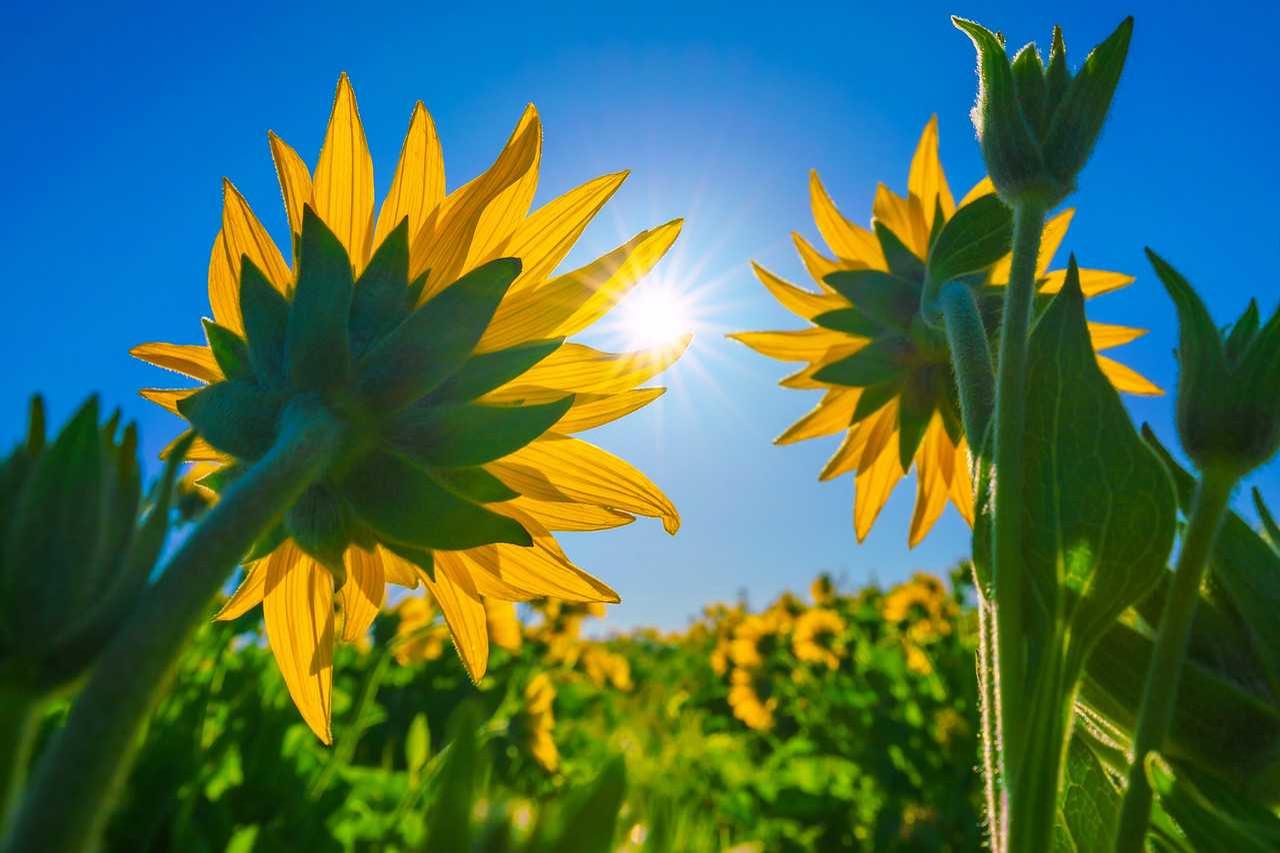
[{"x": 655, "y": 316}]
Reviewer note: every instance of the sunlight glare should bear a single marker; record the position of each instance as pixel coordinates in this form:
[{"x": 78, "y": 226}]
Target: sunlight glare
[{"x": 655, "y": 316}]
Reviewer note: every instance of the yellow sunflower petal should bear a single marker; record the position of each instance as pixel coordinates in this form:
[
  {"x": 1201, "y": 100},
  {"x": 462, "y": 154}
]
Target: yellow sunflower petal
[
  {"x": 849, "y": 241},
  {"x": 1051, "y": 238},
  {"x": 843, "y": 460},
  {"x": 961, "y": 489},
  {"x": 343, "y": 190},
  {"x": 492, "y": 587},
  {"x": 457, "y": 599},
  {"x": 981, "y": 188},
  {"x": 935, "y": 463},
  {"x": 199, "y": 451},
  {"x": 579, "y": 369},
  {"x": 1092, "y": 282},
  {"x": 224, "y": 286},
  {"x": 248, "y": 594},
  {"x": 1108, "y": 335},
  {"x": 1127, "y": 380},
  {"x": 926, "y": 180},
  {"x": 397, "y": 570},
  {"x": 298, "y": 610},
  {"x": 295, "y": 180},
  {"x": 360, "y": 598},
  {"x": 244, "y": 236},
  {"x": 544, "y": 568},
  {"x": 799, "y": 345},
  {"x": 575, "y": 300},
  {"x": 448, "y": 241},
  {"x": 167, "y": 398},
  {"x": 795, "y": 299},
  {"x": 192, "y": 360},
  {"x": 903, "y": 218},
  {"x": 804, "y": 380},
  {"x": 872, "y": 488},
  {"x": 557, "y": 515},
  {"x": 418, "y": 185},
  {"x": 542, "y": 240},
  {"x": 818, "y": 264},
  {"x": 832, "y": 414},
  {"x": 557, "y": 467},
  {"x": 592, "y": 410},
  {"x": 504, "y": 212}
]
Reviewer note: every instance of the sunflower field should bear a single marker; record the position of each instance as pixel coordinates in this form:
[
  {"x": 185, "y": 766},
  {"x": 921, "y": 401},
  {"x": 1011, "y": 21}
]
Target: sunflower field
[{"x": 840, "y": 720}]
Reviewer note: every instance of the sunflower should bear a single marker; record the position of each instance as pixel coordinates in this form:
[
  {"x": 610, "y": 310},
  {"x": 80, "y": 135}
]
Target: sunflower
[
  {"x": 434, "y": 330},
  {"x": 418, "y": 636},
  {"x": 814, "y": 637},
  {"x": 536, "y": 722},
  {"x": 750, "y": 700},
  {"x": 505, "y": 630},
  {"x": 896, "y": 402}
]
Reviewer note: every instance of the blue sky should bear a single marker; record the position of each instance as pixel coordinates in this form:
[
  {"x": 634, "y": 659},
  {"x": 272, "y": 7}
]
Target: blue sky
[{"x": 121, "y": 124}]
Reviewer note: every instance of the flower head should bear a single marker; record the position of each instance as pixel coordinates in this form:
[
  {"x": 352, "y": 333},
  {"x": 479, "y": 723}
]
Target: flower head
[
  {"x": 433, "y": 331},
  {"x": 537, "y": 722},
  {"x": 885, "y": 373},
  {"x": 815, "y": 636},
  {"x": 750, "y": 699}
]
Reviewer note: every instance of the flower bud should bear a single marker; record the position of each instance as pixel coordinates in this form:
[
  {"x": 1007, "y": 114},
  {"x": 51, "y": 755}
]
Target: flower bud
[
  {"x": 73, "y": 555},
  {"x": 1228, "y": 406},
  {"x": 1037, "y": 125}
]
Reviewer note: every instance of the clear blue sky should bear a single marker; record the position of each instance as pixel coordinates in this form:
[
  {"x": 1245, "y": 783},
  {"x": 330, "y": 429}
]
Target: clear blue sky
[{"x": 119, "y": 126}]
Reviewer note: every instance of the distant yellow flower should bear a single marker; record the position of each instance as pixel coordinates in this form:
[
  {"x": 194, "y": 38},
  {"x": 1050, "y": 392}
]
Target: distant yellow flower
[
  {"x": 822, "y": 590},
  {"x": 504, "y": 625},
  {"x": 920, "y": 607},
  {"x": 605, "y": 667},
  {"x": 814, "y": 636},
  {"x": 538, "y": 722},
  {"x": 907, "y": 412},
  {"x": 749, "y": 706},
  {"x": 419, "y": 637},
  {"x": 748, "y": 648},
  {"x": 549, "y": 482}
]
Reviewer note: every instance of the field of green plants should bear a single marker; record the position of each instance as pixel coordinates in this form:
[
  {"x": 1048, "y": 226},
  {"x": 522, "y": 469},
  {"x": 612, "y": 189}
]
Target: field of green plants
[{"x": 837, "y": 720}]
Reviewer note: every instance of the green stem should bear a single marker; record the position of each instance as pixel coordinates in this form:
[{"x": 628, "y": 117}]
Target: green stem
[
  {"x": 1160, "y": 693},
  {"x": 88, "y": 761},
  {"x": 971, "y": 360},
  {"x": 20, "y": 712},
  {"x": 1034, "y": 794},
  {"x": 988, "y": 705},
  {"x": 1010, "y": 426}
]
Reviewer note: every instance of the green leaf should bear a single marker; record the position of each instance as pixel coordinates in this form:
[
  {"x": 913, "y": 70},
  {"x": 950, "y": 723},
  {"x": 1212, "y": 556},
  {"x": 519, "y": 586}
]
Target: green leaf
[
  {"x": 1079, "y": 116},
  {"x": 461, "y": 435},
  {"x": 266, "y": 543},
  {"x": 229, "y": 351},
  {"x": 874, "y": 398},
  {"x": 1089, "y": 802},
  {"x": 1268, "y": 520},
  {"x": 235, "y": 417},
  {"x": 1099, "y": 507},
  {"x": 1214, "y": 817},
  {"x": 381, "y": 300},
  {"x": 589, "y": 824},
  {"x": 404, "y": 504},
  {"x": 317, "y": 346},
  {"x": 884, "y": 298},
  {"x": 437, "y": 339},
  {"x": 851, "y": 321},
  {"x": 265, "y": 312},
  {"x": 317, "y": 523},
  {"x": 482, "y": 373},
  {"x": 916, "y": 405},
  {"x": 35, "y": 425},
  {"x": 901, "y": 261},
  {"x": 475, "y": 484},
  {"x": 448, "y": 816},
  {"x": 975, "y": 238},
  {"x": 220, "y": 479},
  {"x": 876, "y": 363},
  {"x": 420, "y": 557}
]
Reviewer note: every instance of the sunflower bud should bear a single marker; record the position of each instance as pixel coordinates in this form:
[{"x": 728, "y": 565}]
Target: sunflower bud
[
  {"x": 73, "y": 556},
  {"x": 1228, "y": 405},
  {"x": 1037, "y": 125}
]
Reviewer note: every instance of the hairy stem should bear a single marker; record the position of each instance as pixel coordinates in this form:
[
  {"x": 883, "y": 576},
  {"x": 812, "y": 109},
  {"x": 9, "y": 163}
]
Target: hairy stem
[
  {"x": 970, "y": 359},
  {"x": 20, "y": 711},
  {"x": 1161, "y": 689},
  {"x": 71, "y": 788}
]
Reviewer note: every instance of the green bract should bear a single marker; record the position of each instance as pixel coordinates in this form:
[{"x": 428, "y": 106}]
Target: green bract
[
  {"x": 401, "y": 377},
  {"x": 1037, "y": 125},
  {"x": 1228, "y": 385},
  {"x": 73, "y": 555}
]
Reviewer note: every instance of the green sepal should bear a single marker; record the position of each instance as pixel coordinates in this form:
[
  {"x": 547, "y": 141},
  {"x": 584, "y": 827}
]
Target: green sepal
[
  {"x": 482, "y": 373},
  {"x": 381, "y": 300},
  {"x": 1029, "y": 85},
  {"x": 978, "y": 235},
  {"x": 475, "y": 484},
  {"x": 901, "y": 261},
  {"x": 851, "y": 321},
  {"x": 35, "y": 425},
  {"x": 1080, "y": 113},
  {"x": 884, "y": 298},
  {"x": 405, "y": 505},
  {"x": 1056, "y": 77},
  {"x": 461, "y": 435},
  {"x": 1209, "y": 813},
  {"x": 877, "y": 362},
  {"x": 874, "y": 398},
  {"x": 317, "y": 346},
  {"x": 219, "y": 479},
  {"x": 1268, "y": 520},
  {"x": 266, "y": 543},
  {"x": 229, "y": 351},
  {"x": 436, "y": 339},
  {"x": 1242, "y": 332},
  {"x": 265, "y": 313},
  {"x": 235, "y": 417},
  {"x": 939, "y": 220},
  {"x": 1096, "y": 535},
  {"x": 121, "y": 495},
  {"x": 916, "y": 405},
  {"x": 420, "y": 557},
  {"x": 317, "y": 522}
]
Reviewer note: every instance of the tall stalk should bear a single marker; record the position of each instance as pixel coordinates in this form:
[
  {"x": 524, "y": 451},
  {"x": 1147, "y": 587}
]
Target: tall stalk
[
  {"x": 71, "y": 789},
  {"x": 1161, "y": 689},
  {"x": 20, "y": 712}
]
